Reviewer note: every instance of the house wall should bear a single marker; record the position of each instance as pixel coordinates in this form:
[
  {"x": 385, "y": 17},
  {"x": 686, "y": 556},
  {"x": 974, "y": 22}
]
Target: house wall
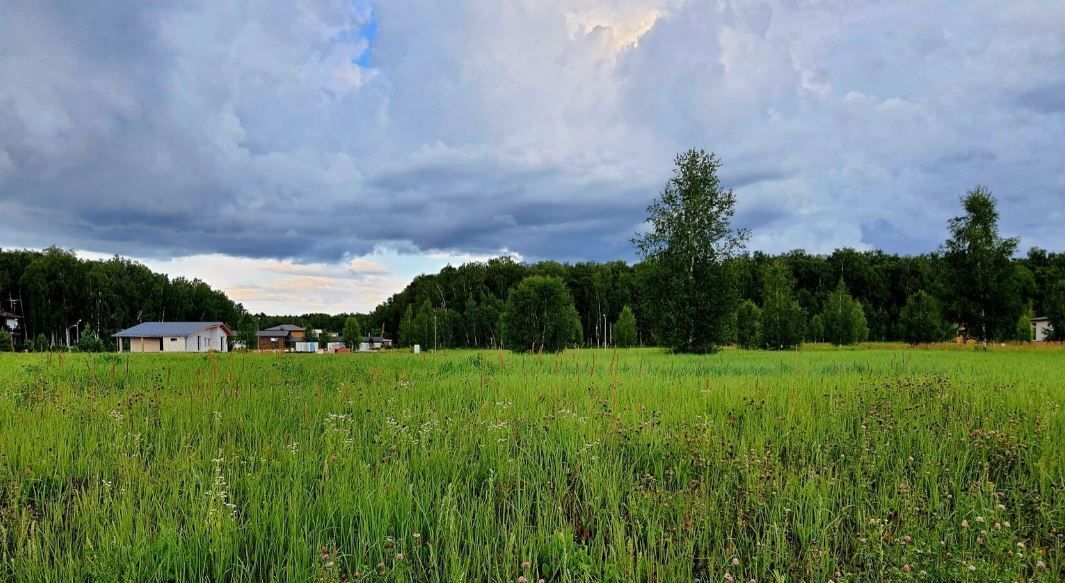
[
  {"x": 207, "y": 340},
  {"x": 173, "y": 344},
  {"x": 269, "y": 344},
  {"x": 144, "y": 345}
]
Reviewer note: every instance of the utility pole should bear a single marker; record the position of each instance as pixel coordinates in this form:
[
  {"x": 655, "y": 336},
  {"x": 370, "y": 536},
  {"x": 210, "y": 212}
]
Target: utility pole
[{"x": 436, "y": 346}]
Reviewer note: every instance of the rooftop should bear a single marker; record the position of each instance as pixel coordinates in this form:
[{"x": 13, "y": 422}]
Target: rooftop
[{"x": 160, "y": 329}]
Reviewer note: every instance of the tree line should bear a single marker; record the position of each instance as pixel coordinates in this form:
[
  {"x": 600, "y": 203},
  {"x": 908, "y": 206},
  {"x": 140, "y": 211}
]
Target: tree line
[
  {"x": 695, "y": 288},
  {"x": 64, "y": 299}
]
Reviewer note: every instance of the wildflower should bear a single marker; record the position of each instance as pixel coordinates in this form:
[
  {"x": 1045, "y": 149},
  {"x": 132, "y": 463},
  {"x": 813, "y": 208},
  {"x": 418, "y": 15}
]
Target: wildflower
[
  {"x": 1020, "y": 545},
  {"x": 399, "y": 556},
  {"x": 381, "y": 566},
  {"x": 972, "y": 567},
  {"x": 417, "y": 535},
  {"x": 329, "y": 565},
  {"x": 356, "y": 575},
  {"x": 523, "y": 579},
  {"x": 1006, "y": 524},
  {"x": 965, "y": 524},
  {"x": 998, "y": 525},
  {"x": 980, "y": 519},
  {"x": 525, "y": 566},
  {"x": 735, "y": 561},
  {"x": 906, "y": 568},
  {"x": 1040, "y": 565},
  {"x": 906, "y": 539},
  {"x": 1001, "y": 506},
  {"x": 388, "y": 543},
  {"x": 729, "y": 577}
]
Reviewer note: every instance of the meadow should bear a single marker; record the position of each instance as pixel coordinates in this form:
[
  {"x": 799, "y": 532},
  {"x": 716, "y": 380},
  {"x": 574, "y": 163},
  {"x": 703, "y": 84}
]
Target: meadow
[{"x": 867, "y": 464}]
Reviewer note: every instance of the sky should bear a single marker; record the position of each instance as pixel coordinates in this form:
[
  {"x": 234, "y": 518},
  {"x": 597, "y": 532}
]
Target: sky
[{"x": 314, "y": 155}]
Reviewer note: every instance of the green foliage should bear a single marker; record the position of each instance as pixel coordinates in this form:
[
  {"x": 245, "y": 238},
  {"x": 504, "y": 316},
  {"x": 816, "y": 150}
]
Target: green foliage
[
  {"x": 247, "y": 333},
  {"x": 6, "y": 345},
  {"x": 748, "y": 325},
  {"x": 539, "y": 316},
  {"x": 844, "y": 318},
  {"x": 1023, "y": 331},
  {"x": 352, "y": 332},
  {"x": 921, "y": 320},
  {"x": 625, "y": 329},
  {"x": 783, "y": 322},
  {"x": 406, "y": 328},
  {"x": 423, "y": 325},
  {"x": 56, "y": 288},
  {"x": 1055, "y": 311},
  {"x": 688, "y": 248},
  {"x": 309, "y": 335},
  {"x": 324, "y": 339},
  {"x": 41, "y": 344},
  {"x": 815, "y": 331},
  {"x": 984, "y": 283},
  {"x": 90, "y": 341}
]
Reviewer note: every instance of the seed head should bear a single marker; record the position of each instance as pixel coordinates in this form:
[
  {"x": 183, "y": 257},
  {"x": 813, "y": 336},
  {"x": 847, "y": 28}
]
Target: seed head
[{"x": 525, "y": 566}]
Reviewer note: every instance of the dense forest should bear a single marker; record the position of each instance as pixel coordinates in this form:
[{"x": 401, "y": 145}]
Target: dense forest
[
  {"x": 465, "y": 302},
  {"x": 461, "y": 306}
]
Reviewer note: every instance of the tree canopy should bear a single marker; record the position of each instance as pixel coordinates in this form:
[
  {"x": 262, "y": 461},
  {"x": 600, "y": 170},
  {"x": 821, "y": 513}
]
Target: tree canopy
[
  {"x": 540, "y": 316},
  {"x": 687, "y": 246}
]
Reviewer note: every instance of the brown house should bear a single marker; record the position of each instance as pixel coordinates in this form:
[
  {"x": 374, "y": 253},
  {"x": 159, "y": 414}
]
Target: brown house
[{"x": 280, "y": 337}]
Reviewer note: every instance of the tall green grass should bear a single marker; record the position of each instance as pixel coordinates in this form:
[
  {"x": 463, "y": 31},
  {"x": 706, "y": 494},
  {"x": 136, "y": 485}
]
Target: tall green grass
[{"x": 844, "y": 465}]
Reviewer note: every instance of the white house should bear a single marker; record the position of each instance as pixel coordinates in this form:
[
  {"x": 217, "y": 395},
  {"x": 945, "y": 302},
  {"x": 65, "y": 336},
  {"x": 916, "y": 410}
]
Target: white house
[
  {"x": 1040, "y": 329},
  {"x": 175, "y": 337}
]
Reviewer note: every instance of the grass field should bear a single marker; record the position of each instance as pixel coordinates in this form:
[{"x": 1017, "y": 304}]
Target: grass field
[{"x": 849, "y": 465}]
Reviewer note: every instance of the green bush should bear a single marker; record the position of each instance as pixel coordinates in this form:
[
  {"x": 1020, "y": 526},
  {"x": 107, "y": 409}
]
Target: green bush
[{"x": 6, "y": 345}]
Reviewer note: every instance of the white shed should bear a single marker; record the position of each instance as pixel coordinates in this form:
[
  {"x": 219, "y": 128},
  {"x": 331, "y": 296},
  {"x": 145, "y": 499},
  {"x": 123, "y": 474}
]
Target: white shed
[
  {"x": 1040, "y": 329},
  {"x": 175, "y": 337}
]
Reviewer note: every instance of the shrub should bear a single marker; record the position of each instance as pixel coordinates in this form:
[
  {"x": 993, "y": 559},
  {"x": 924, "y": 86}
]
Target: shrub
[
  {"x": 6, "y": 345},
  {"x": 90, "y": 341}
]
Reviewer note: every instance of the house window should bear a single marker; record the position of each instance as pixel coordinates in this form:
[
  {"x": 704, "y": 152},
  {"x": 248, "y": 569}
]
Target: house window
[{"x": 173, "y": 339}]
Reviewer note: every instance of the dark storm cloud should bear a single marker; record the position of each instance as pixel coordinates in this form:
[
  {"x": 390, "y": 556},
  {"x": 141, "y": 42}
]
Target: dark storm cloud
[{"x": 166, "y": 129}]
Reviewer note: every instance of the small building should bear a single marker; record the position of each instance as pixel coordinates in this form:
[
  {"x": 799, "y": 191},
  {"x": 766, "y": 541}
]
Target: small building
[
  {"x": 175, "y": 337},
  {"x": 280, "y": 338},
  {"x": 374, "y": 343},
  {"x": 12, "y": 324},
  {"x": 1040, "y": 329}
]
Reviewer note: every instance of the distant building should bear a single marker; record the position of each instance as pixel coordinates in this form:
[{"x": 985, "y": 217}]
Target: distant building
[
  {"x": 12, "y": 324},
  {"x": 281, "y": 337},
  {"x": 374, "y": 343},
  {"x": 1040, "y": 329},
  {"x": 175, "y": 337}
]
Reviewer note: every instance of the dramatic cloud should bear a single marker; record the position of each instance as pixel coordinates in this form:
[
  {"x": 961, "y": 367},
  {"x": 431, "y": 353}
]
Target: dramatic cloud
[{"x": 315, "y": 131}]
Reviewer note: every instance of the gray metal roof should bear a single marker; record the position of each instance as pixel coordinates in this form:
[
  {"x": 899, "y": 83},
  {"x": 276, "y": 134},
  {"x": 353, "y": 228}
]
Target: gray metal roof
[
  {"x": 160, "y": 329},
  {"x": 285, "y": 328},
  {"x": 273, "y": 333}
]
